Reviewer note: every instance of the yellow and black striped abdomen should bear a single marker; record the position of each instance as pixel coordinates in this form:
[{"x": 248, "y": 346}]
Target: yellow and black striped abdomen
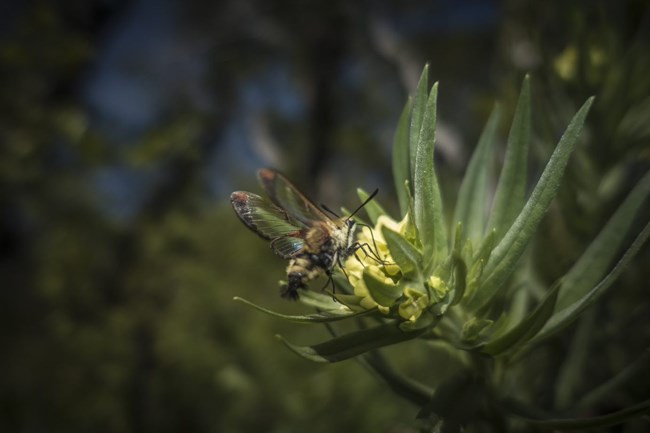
[{"x": 304, "y": 268}]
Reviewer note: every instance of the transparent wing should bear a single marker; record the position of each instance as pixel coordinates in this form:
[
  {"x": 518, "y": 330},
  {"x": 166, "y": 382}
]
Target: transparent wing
[
  {"x": 267, "y": 220},
  {"x": 285, "y": 195},
  {"x": 287, "y": 246}
]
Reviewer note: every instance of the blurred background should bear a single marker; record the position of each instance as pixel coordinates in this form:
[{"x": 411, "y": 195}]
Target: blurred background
[{"x": 125, "y": 125}]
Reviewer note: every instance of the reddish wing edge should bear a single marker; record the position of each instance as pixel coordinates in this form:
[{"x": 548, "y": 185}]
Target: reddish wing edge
[
  {"x": 269, "y": 222},
  {"x": 239, "y": 201}
]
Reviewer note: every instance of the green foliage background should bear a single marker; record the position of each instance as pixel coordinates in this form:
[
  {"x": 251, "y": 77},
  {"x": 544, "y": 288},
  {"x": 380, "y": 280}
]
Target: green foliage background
[{"x": 128, "y": 325}]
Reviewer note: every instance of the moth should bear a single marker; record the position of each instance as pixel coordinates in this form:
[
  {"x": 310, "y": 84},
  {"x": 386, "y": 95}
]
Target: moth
[{"x": 298, "y": 230}]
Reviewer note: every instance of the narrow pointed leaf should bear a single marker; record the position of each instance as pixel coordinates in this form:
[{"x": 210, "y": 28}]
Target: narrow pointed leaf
[
  {"x": 402, "y": 157},
  {"x": 353, "y": 302},
  {"x": 526, "y": 329},
  {"x": 372, "y": 208},
  {"x": 320, "y": 300},
  {"x": 616, "y": 383},
  {"x": 480, "y": 259},
  {"x": 568, "y": 315},
  {"x": 486, "y": 247},
  {"x": 458, "y": 238},
  {"x": 354, "y": 343},
  {"x": 472, "y": 195},
  {"x": 407, "y": 257},
  {"x": 322, "y": 317},
  {"x": 600, "y": 254},
  {"x": 417, "y": 116},
  {"x": 427, "y": 200},
  {"x": 409, "y": 389},
  {"x": 410, "y": 230},
  {"x": 579, "y": 424},
  {"x": 342, "y": 284},
  {"x": 511, "y": 190},
  {"x": 569, "y": 377},
  {"x": 460, "y": 278},
  {"x": 383, "y": 294},
  {"x": 505, "y": 255}
]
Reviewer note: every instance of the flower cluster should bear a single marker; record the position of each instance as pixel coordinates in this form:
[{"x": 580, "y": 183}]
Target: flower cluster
[
  {"x": 409, "y": 280},
  {"x": 390, "y": 291},
  {"x": 375, "y": 259}
]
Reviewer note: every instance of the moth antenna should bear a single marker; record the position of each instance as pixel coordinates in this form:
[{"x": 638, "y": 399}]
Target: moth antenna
[
  {"x": 370, "y": 197},
  {"x": 327, "y": 209}
]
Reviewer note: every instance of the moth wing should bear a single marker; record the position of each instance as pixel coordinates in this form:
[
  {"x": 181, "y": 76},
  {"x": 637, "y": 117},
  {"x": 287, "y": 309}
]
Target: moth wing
[
  {"x": 263, "y": 217},
  {"x": 285, "y": 195},
  {"x": 287, "y": 246}
]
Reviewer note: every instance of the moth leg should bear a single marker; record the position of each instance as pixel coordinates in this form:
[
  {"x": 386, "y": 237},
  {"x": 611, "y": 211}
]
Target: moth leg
[
  {"x": 356, "y": 256},
  {"x": 372, "y": 254},
  {"x": 329, "y": 281}
]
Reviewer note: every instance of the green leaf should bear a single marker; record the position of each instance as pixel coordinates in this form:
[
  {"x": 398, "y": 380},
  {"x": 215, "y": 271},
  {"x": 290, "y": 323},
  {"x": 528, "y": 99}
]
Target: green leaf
[
  {"x": 569, "y": 377},
  {"x": 472, "y": 196},
  {"x": 518, "y": 410},
  {"x": 322, "y": 317},
  {"x": 401, "y": 156},
  {"x": 410, "y": 231},
  {"x": 372, "y": 208},
  {"x": 382, "y": 293},
  {"x": 511, "y": 190},
  {"x": 597, "y": 259},
  {"x": 505, "y": 255},
  {"x": 320, "y": 300},
  {"x": 526, "y": 329},
  {"x": 486, "y": 247},
  {"x": 458, "y": 238},
  {"x": 353, "y": 302},
  {"x": 578, "y": 291},
  {"x": 428, "y": 203},
  {"x": 479, "y": 260},
  {"x": 566, "y": 316},
  {"x": 406, "y": 256},
  {"x": 460, "y": 278},
  {"x": 342, "y": 284},
  {"x": 458, "y": 266},
  {"x": 409, "y": 389},
  {"x": 417, "y": 116},
  {"x": 354, "y": 343},
  {"x": 604, "y": 391}
]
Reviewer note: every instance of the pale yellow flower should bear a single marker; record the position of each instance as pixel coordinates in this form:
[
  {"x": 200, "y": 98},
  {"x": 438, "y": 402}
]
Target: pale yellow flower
[
  {"x": 375, "y": 257},
  {"x": 414, "y": 303},
  {"x": 438, "y": 287}
]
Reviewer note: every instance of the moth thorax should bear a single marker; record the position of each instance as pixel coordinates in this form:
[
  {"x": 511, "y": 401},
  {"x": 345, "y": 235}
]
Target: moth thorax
[
  {"x": 318, "y": 237},
  {"x": 347, "y": 240}
]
